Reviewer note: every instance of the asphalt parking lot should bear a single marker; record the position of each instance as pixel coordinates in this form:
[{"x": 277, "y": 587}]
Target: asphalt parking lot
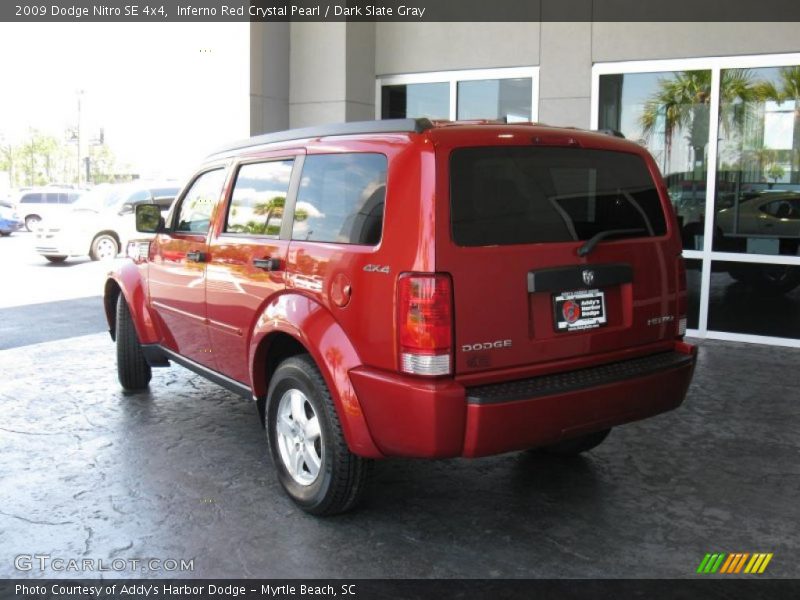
[{"x": 181, "y": 472}]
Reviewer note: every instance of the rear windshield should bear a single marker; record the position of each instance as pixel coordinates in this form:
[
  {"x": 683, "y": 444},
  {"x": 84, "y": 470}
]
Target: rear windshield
[{"x": 526, "y": 195}]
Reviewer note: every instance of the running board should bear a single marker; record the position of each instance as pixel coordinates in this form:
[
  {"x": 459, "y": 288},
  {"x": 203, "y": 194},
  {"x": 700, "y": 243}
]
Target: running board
[{"x": 158, "y": 356}]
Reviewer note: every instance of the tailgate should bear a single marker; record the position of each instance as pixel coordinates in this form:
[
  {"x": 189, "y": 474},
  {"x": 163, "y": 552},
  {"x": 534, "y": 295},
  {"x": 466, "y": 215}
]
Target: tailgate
[{"x": 554, "y": 253}]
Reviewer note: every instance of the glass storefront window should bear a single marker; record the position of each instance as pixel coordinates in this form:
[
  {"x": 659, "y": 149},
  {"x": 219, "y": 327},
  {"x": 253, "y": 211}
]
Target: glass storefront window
[
  {"x": 495, "y": 99},
  {"x": 694, "y": 271},
  {"x": 757, "y": 204},
  {"x": 413, "y": 100},
  {"x": 668, "y": 113},
  {"x": 755, "y": 298},
  {"x": 474, "y": 94}
]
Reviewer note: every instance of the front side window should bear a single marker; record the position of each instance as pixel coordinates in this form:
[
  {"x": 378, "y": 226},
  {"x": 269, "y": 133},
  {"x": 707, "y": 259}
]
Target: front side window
[
  {"x": 524, "y": 195},
  {"x": 341, "y": 199},
  {"x": 197, "y": 206},
  {"x": 259, "y": 197}
]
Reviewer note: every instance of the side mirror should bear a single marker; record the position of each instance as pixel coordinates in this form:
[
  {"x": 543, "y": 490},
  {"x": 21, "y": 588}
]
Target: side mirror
[{"x": 149, "y": 219}]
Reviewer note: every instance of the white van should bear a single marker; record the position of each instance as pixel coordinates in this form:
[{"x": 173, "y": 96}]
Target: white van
[{"x": 48, "y": 203}]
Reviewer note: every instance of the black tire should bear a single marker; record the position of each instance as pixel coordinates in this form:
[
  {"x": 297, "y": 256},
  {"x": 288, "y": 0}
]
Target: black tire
[
  {"x": 132, "y": 369},
  {"x": 5, "y": 233},
  {"x": 55, "y": 259},
  {"x": 31, "y": 221},
  {"x": 104, "y": 247},
  {"x": 575, "y": 446},
  {"x": 342, "y": 476}
]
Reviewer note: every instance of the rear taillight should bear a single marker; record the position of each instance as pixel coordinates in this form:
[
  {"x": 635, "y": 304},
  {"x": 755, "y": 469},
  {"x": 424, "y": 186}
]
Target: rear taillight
[
  {"x": 425, "y": 323},
  {"x": 682, "y": 302}
]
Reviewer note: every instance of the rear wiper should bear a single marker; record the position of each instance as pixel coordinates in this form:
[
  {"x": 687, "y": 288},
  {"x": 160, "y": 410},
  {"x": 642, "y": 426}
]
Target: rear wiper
[{"x": 599, "y": 237}]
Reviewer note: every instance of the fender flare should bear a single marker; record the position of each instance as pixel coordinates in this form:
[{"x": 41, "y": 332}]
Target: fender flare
[
  {"x": 127, "y": 280},
  {"x": 316, "y": 329}
]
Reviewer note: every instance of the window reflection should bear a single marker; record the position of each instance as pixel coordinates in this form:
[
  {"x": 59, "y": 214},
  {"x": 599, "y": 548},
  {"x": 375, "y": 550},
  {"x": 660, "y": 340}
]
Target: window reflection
[
  {"x": 694, "y": 270},
  {"x": 341, "y": 199},
  {"x": 757, "y": 203},
  {"x": 259, "y": 197},
  {"x": 495, "y": 99},
  {"x": 668, "y": 113},
  {"x": 430, "y": 100},
  {"x": 194, "y": 213},
  {"x": 756, "y": 299}
]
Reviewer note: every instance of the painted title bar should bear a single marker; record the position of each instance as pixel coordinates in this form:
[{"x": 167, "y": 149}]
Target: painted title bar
[{"x": 150, "y": 11}]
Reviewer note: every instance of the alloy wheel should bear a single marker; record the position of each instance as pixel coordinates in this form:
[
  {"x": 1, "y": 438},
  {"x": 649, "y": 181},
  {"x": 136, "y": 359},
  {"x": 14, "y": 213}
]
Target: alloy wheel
[{"x": 299, "y": 437}]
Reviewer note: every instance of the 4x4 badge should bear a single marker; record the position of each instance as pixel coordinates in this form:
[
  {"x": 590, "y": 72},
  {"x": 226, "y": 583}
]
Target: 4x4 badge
[
  {"x": 376, "y": 268},
  {"x": 588, "y": 277}
]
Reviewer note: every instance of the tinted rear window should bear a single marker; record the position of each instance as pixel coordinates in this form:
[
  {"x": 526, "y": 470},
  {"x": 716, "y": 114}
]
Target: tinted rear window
[
  {"x": 526, "y": 195},
  {"x": 341, "y": 199}
]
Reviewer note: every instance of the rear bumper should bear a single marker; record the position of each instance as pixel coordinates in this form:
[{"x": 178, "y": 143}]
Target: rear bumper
[{"x": 441, "y": 418}]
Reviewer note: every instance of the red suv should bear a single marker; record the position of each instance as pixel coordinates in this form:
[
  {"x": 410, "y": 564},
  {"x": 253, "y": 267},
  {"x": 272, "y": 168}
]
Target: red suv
[{"x": 418, "y": 289}]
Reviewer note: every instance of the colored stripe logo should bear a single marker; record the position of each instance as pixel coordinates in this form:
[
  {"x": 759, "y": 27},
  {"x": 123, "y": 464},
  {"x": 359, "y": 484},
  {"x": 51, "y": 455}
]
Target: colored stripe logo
[{"x": 735, "y": 563}]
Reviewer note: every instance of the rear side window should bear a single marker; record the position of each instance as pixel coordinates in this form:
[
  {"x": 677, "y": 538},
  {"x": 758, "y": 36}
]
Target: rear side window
[
  {"x": 527, "y": 195},
  {"x": 341, "y": 199},
  {"x": 259, "y": 197}
]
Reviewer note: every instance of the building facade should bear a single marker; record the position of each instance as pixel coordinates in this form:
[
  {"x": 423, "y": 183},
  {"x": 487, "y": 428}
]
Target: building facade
[{"x": 717, "y": 104}]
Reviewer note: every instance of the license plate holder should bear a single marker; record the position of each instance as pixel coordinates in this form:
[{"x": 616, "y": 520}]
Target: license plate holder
[{"x": 579, "y": 310}]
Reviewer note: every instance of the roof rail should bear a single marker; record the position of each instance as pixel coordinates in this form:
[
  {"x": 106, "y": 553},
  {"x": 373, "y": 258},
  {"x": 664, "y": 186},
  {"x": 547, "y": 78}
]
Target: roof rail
[
  {"x": 351, "y": 128},
  {"x": 613, "y": 132}
]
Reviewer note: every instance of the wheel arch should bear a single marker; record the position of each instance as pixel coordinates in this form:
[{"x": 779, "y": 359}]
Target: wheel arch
[
  {"x": 127, "y": 281},
  {"x": 293, "y": 324}
]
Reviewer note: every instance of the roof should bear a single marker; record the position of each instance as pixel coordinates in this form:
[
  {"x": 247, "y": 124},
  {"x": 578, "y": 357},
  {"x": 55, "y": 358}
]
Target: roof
[
  {"x": 376, "y": 127},
  {"x": 350, "y": 128}
]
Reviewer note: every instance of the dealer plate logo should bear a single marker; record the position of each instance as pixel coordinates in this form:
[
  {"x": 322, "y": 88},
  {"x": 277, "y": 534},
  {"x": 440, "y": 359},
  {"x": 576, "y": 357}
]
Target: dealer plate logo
[{"x": 585, "y": 309}]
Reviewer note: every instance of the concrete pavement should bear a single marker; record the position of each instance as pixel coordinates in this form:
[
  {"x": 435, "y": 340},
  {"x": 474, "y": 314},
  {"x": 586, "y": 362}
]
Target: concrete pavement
[{"x": 181, "y": 472}]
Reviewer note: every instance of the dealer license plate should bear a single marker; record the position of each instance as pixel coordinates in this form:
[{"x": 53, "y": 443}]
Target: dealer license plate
[{"x": 585, "y": 309}]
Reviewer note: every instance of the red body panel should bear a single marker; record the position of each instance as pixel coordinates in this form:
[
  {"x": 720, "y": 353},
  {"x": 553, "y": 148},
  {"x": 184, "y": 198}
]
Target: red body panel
[
  {"x": 339, "y": 302},
  {"x": 306, "y": 321},
  {"x": 132, "y": 285},
  {"x": 178, "y": 296}
]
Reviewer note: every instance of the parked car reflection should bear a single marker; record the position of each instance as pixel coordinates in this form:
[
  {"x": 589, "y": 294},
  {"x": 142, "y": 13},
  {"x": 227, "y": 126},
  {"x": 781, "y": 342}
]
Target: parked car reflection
[{"x": 772, "y": 214}]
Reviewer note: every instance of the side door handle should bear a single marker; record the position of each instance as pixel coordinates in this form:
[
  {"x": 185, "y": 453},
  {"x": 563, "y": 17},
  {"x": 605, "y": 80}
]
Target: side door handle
[
  {"x": 199, "y": 257},
  {"x": 268, "y": 264}
]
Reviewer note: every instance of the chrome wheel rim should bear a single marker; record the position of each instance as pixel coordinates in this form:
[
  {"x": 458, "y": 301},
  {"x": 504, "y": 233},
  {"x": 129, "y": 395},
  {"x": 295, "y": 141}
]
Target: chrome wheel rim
[
  {"x": 299, "y": 437},
  {"x": 106, "y": 248}
]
